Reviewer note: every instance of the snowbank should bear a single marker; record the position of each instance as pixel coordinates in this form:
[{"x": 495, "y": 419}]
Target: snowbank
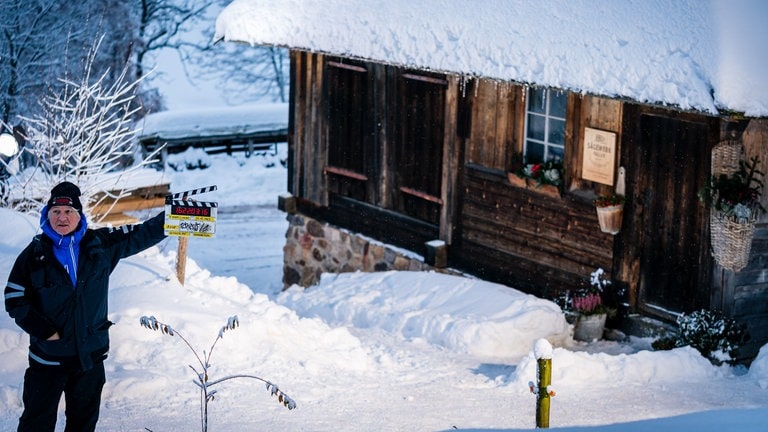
[{"x": 480, "y": 318}]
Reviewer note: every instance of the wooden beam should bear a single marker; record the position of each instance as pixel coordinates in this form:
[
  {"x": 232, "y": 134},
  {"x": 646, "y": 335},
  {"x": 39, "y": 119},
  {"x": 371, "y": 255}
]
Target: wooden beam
[{"x": 126, "y": 204}]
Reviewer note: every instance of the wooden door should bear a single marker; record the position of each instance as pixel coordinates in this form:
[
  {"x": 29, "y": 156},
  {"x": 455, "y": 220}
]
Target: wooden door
[{"x": 674, "y": 161}]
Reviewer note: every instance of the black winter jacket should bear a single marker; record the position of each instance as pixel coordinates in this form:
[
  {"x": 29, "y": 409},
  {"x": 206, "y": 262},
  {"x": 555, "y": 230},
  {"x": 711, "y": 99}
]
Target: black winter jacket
[{"x": 40, "y": 297}]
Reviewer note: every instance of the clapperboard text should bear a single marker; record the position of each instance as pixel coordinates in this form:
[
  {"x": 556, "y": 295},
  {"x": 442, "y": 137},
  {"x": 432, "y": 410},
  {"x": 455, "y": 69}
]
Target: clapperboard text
[{"x": 189, "y": 218}]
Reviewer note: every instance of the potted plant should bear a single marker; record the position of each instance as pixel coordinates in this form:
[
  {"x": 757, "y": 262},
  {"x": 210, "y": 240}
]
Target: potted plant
[
  {"x": 734, "y": 202},
  {"x": 547, "y": 176},
  {"x": 588, "y": 308},
  {"x": 610, "y": 211}
]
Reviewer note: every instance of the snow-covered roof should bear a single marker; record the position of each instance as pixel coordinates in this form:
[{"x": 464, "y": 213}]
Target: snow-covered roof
[
  {"x": 706, "y": 55},
  {"x": 214, "y": 122}
]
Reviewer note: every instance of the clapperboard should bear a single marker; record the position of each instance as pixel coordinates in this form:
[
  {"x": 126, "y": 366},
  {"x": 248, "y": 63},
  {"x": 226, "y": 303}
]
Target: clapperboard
[{"x": 189, "y": 218}]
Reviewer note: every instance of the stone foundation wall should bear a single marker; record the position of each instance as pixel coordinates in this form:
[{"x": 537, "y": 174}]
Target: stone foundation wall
[{"x": 313, "y": 248}]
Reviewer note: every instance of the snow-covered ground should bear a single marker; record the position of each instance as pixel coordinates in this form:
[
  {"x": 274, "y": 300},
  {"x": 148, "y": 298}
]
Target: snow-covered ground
[{"x": 394, "y": 351}]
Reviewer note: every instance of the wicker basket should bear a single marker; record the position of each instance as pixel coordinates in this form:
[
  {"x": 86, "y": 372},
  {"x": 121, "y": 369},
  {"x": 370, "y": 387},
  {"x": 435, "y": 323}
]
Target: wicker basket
[
  {"x": 731, "y": 240},
  {"x": 726, "y": 156}
]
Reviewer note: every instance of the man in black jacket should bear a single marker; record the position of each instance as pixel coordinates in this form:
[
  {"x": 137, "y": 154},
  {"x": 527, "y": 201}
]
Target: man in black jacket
[{"x": 57, "y": 292}]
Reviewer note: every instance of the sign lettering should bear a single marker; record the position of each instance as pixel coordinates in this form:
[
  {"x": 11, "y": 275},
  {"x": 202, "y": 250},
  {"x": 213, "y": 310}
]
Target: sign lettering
[{"x": 599, "y": 157}]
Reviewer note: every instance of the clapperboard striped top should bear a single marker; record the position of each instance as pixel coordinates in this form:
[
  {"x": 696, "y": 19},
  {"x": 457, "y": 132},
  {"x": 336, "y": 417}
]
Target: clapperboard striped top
[
  {"x": 194, "y": 203},
  {"x": 193, "y": 192}
]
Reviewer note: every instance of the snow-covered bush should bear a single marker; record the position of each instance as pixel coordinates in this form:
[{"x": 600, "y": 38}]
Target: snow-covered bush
[
  {"x": 715, "y": 336},
  {"x": 203, "y": 378},
  {"x": 84, "y": 135},
  {"x": 190, "y": 159}
]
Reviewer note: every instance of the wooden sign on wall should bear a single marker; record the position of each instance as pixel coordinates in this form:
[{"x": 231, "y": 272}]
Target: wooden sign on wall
[{"x": 599, "y": 161}]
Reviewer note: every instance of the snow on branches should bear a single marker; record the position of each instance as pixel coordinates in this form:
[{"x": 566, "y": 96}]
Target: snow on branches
[{"x": 85, "y": 134}]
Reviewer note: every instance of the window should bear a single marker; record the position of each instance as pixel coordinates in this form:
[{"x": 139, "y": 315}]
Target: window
[
  {"x": 349, "y": 132},
  {"x": 545, "y": 125}
]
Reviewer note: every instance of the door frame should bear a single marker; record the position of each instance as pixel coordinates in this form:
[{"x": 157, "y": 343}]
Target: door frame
[{"x": 631, "y": 242}]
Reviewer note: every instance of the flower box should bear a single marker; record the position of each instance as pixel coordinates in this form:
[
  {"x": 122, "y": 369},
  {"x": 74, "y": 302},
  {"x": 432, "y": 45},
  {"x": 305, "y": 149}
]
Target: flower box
[
  {"x": 526, "y": 183},
  {"x": 516, "y": 180}
]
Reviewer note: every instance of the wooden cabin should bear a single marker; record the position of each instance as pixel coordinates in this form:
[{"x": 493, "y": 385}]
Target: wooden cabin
[{"x": 407, "y": 155}]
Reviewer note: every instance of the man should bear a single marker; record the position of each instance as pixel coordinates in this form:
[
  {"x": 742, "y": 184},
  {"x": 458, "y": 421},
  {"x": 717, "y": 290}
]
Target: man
[{"x": 57, "y": 292}]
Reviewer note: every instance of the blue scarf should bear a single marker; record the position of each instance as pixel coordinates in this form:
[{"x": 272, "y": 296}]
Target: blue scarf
[{"x": 66, "y": 248}]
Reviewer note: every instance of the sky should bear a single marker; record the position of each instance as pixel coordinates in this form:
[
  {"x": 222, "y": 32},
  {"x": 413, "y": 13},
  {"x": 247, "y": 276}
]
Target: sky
[
  {"x": 179, "y": 92},
  {"x": 705, "y": 55},
  {"x": 396, "y": 351},
  {"x": 180, "y": 85}
]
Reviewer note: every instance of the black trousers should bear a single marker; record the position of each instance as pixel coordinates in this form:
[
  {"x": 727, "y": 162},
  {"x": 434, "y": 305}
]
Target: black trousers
[{"x": 43, "y": 386}]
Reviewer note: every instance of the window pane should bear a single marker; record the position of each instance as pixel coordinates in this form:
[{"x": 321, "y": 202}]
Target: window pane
[
  {"x": 534, "y": 153},
  {"x": 556, "y": 131},
  {"x": 536, "y": 127},
  {"x": 537, "y": 100},
  {"x": 557, "y": 103},
  {"x": 557, "y": 153}
]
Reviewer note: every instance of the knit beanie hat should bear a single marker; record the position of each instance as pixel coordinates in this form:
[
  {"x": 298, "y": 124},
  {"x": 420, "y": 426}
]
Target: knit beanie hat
[{"x": 65, "y": 194}]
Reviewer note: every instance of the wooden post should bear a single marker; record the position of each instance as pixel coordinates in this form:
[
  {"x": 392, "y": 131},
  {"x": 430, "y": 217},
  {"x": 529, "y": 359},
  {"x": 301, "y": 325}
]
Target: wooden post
[
  {"x": 436, "y": 253},
  {"x": 181, "y": 259},
  {"x": 181, "y": 254}
]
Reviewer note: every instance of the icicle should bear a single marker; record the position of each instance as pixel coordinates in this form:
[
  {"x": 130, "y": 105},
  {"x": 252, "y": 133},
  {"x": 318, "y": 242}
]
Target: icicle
[{"x": 525, "y": 94}]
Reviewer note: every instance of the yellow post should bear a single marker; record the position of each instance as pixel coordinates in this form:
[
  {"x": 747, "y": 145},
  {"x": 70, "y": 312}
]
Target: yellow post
[
  {"x": 542, "y": 350},
  {"x": 542, "y": 396}
]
